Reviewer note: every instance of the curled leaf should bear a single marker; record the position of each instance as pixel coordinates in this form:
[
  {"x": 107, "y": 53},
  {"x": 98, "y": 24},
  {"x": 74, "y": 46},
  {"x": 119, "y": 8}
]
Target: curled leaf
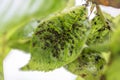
[{"x": 58, "y": 40}]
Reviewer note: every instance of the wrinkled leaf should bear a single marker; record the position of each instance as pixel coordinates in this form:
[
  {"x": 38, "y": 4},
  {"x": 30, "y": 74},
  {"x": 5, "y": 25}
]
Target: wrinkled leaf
[
  {"x": 58, "y": 40},
  {"x": 99, "y": 31},
  {"x": 89, "y": 65},
  {"x": 100, "y": 34}
]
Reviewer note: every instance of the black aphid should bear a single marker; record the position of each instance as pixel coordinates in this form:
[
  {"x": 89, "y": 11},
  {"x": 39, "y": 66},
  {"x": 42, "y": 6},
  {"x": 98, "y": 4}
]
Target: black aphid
[{"x": 97, "y": 58}]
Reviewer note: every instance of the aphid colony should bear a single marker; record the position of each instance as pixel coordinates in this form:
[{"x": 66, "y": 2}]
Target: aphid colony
[{"x": 60, "y": 41}]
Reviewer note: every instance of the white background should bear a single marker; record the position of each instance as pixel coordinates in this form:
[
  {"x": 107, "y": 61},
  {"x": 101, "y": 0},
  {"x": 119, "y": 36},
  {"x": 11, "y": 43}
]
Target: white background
[{"x": 17, "y": 59}]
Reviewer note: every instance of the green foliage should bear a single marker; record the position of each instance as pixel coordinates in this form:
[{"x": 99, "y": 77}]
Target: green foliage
[
  {"x": 21, "y": 34},
  {"x": 58, "y": 40},
  {"x": 100, "y": 34},
  {"x": 89, "y": 65},
  {"x": 13, "y": 24},
  {"x": 13, "y": 19},
  {"x": 65, "y": 38},
  {"x": 99, "y": 31}
]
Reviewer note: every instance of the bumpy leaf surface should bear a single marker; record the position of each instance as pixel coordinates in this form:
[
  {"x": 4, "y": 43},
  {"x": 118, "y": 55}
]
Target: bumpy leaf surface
[
  {"x": 100, "y": 31},
  {"x": 89, "y": 65},
  {"x": 58, "y": 40}
]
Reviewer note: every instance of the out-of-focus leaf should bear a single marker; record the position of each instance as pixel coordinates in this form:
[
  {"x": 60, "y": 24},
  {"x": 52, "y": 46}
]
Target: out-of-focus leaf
[
  {"x": 115, "y": 39},
  {"x": 22, "y": 38},
  {"x": 14, "y": 14},
  {"x": 113, "y": 71},
  {"x": 22, "y": 34},
  {"x": 116, "y": 21},
  {"x": 115, "y": 42},
  {"x": 70, "y": 3}
]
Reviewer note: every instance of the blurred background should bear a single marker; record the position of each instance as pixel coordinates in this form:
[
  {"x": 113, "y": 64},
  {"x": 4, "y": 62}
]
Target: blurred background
[{"x": 16, "y": 59}]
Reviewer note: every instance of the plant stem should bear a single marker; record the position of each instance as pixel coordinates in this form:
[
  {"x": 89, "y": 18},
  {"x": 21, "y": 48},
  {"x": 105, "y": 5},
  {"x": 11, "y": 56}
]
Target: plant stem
[
  {"x": 1, "y": 70},
  {"x": 4, "y": 49}
]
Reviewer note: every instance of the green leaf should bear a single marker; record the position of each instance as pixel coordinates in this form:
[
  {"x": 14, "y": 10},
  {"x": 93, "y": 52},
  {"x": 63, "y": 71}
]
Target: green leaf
[
  {"x": 14, "y": 15},
  {"x": 100, "y": 34},
  {"x": 99, "y": 31},
  {"x": 89, "y": 65},
  {"x": 58, "y": 40}
]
